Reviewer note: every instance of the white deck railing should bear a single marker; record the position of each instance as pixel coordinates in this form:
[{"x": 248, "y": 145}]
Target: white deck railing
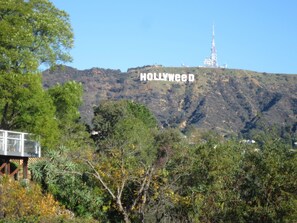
[{"x": 18, "y": 144}]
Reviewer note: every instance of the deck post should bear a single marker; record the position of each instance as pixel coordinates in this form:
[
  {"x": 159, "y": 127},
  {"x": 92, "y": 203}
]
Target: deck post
[
  {"x": 7, "y": 166},
  {"x": 25, "y": 167},
  {"x": 17, "y": 146}
]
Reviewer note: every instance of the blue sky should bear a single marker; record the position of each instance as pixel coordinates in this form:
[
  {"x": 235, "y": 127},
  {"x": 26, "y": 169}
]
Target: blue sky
[{"x": 258, "y": 35}]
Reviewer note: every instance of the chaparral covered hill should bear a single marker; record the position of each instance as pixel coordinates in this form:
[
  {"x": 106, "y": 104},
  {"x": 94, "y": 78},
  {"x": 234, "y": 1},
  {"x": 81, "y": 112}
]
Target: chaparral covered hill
[{"x": 225, "y": 100}]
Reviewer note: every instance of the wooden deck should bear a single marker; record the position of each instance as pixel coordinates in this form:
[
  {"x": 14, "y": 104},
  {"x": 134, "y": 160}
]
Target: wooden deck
[{"x": 17, "y": 146}]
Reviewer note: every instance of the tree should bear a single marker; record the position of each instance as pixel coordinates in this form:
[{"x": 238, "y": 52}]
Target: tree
[
  {"x": 108, "y": 113},
  {"x": 266, "y": 185},
  {"x": 231, "y": 182},
  {"x": 31, "y": 33},
  {"x": 210, "y": 182},
  {"x": 25, "y": 106},
  {"x": 173, "y": 164},
  {"x": 67, "y": 98},
  {"x": 125, "y": 157}
]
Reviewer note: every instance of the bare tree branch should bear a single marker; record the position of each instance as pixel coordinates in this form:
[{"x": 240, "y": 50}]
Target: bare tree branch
[
  {"x": 143, "y": 188},
  {"x": 98, "y": 176}
]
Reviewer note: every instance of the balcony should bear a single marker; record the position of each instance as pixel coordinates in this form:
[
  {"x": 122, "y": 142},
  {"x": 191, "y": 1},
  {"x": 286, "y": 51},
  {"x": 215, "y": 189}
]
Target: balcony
[{"x": 18, "y": 144}]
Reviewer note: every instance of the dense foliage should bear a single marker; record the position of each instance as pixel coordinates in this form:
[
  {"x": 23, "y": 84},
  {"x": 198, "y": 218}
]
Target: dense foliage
[
  {"x": 124, "y": 168},
  {"x": 26, "y": 106},
  {"x": 27, "y": 204},
  {"x": 31, "y": 33},
  {"x": 139, "y": 173}
]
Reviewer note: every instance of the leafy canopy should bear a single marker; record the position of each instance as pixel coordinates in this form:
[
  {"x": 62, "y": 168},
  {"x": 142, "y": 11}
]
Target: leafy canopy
[
  {"x": 67, "y": 99},
  {"x": 31, "y": 33},
  {"x": 26, "y": 106},
  {"x": 108, "y": 114}
]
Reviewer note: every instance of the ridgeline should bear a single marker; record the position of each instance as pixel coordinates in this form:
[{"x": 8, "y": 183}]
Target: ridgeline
[{"x": 227, "y": 101}]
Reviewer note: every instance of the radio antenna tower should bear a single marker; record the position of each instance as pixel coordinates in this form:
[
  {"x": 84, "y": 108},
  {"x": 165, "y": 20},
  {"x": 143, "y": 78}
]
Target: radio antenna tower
[{"x": 212, "y": 60}]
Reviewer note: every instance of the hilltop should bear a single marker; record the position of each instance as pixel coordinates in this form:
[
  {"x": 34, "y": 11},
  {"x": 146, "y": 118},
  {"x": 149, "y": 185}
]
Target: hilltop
[{"x": 224, "y": 100}]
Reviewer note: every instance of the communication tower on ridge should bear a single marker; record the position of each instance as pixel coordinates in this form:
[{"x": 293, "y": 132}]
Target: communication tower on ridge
[{"x": 212, "y": 60}]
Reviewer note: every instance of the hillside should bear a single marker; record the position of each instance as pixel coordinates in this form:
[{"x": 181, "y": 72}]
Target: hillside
[{"x": 225, "y": 100}]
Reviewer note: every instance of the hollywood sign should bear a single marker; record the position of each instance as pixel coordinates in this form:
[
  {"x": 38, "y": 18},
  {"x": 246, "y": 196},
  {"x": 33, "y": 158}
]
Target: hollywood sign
[{"x": 167, "y": 77}]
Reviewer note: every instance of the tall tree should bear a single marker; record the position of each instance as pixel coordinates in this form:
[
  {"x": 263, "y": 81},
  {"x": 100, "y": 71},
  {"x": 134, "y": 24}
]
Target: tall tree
[
  {"x": 124, "y": 163},
  {"x": 32, "y": 32},
  {"x": 25, "y": 106},
  {"x": 67, "y": 98}
]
